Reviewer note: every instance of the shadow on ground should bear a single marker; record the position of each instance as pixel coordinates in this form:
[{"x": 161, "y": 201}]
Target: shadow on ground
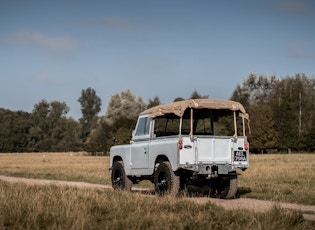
[{"x": 195, "y": 191}]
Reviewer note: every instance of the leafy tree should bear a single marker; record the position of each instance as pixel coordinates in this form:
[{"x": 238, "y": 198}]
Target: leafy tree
[
  {"x": 45, "y": 129},
  {"x": 124, "y": 105},
  {"x": 255, "y": 89},
  {"x": 51, "y": 130},
  {"x": 154, "y": 102},
  {"x": 39, "y": 138},
  {"x": 116, "y": 127},
  {"x": 293, "y": 104},
  {"x": 122, "y": 114},
  {"x": 196, "y": 95},
  {"x": 66, "y": 135},
  {"x": 240, "y": 94},
  {"x": 14, "y": 130},
  {"x": 281, "y": 110},
  {"x": 101, "y": 138},
  {"x": 179, "y": 99},
  {"x": 90, "y": 107},
  {"x": 263, "y": 134},
  {"x": 122, "y": 129}
]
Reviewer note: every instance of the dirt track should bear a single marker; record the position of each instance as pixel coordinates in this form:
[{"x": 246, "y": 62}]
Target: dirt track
[{"x": 241, "y": 203}]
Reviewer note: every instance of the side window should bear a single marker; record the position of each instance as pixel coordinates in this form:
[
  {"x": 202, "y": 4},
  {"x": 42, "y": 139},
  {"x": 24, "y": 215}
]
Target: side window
[
  {"x": 143, "y": 127},
  {"x": 166, "y": 126}
]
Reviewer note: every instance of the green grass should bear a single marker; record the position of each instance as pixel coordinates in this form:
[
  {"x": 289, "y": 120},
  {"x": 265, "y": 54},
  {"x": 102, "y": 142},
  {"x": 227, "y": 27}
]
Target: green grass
[{"x": 54, "y": 207}]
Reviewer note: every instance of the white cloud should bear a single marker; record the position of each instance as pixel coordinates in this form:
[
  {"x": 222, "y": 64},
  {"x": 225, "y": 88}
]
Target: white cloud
[{"x": 57, "y": 44}]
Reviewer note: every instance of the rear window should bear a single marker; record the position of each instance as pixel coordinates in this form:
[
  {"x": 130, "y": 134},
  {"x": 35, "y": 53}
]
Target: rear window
[{"x": 206, "y": 122}]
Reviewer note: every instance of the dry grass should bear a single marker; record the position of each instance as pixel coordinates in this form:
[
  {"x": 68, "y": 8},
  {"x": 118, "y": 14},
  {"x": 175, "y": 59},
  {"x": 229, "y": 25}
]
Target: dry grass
[
  {"x": 274, "y": 177},
  {"x": 60, "y": 207},
  {"x": 56, "y": 166},
  {"x": 283, "y": 177}
]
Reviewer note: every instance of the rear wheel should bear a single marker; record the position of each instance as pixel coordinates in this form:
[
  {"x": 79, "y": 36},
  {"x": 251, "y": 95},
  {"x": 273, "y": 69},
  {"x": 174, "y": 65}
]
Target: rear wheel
[
  {"x": 119, "y": 179},
  {"x": 165, "y": 180},
  {"x": 227, "y": 187}
]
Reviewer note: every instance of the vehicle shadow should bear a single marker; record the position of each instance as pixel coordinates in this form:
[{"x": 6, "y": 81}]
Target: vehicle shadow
[
  {"x": 194, "y": 191},
  {"x": 143, "y": 191},
  {"x": 243, "y": 190}
]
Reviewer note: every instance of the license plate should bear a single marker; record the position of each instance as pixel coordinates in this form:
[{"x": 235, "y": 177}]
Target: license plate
[{"x": 240, "y": 156}]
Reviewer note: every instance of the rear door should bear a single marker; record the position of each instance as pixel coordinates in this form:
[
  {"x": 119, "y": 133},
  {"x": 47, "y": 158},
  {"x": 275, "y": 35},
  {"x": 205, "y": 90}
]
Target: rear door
[{"x": 214, "y": 149}]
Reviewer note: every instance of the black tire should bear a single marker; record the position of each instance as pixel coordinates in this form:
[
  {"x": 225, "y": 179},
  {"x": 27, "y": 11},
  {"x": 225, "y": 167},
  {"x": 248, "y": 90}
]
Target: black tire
[
  {"x": 119, "y": 179},
  {"x": 165, "y": 180},
  {"x": 227, "y": 188}
]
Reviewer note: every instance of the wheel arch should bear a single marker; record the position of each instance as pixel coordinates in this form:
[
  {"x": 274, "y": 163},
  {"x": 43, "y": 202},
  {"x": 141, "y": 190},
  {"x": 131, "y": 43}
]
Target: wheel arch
[
  {"x": 159, "y": 159},
  {"x": 117, "y": 158},
  {"x": 163, "y": 157}
]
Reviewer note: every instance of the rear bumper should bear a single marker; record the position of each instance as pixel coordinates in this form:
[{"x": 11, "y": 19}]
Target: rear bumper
[{"x": 212, "y": 169}]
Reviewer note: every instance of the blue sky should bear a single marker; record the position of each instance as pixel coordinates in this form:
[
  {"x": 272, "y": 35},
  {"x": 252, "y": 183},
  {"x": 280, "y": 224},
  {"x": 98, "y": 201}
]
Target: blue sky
[{"x": 53, "y": 49}]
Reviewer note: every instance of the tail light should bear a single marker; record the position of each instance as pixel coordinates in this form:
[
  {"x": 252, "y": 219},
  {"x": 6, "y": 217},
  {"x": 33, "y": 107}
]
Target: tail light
[
  {"x": 180, "y": 144},
  {"x": 246, "y": 145}
]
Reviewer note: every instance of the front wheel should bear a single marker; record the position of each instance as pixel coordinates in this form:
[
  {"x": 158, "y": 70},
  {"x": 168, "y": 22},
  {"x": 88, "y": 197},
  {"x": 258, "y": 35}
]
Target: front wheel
[
  {"x": 165, "y": 180},
  {"x": 120, "y": 181}
]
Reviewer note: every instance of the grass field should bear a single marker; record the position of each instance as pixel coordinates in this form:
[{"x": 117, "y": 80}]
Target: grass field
[
  {"x": 281, "y": 177},
  {"x": 60, "y": 207},
  {"x": 286, "y": 177}
]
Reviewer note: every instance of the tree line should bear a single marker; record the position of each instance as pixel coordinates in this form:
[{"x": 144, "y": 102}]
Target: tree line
[
  {"x": 282, "y": 118},
  {"x": 282, "y": 115}
]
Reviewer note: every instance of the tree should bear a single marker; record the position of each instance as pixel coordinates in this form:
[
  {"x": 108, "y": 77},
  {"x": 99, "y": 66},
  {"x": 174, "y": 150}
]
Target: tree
[
  {"x": 90, "y": 107},
  {"x": 101, "y": 138},
  {"x": 122, "y": 113},
  {"x": 51, "y": 130},
  {"x": 121, "y": 130},
  {"x": 254, "y": 95},
  {"x": 293, "y": 105},
  {"x": 255, "y": 89},
  {"x": 179, "y": 99},
  {"x": 241, "y": 95},
  {"x": 14, "y": 130},
  {"x": 39, "y": 138},
  {"x": 281, "y": 111},
  {"x": 154, "y": 102},
  {"x": 263, "y": 134},
  {"x": 196, "y": 95},
  {"x": 124, "y": 105},
  {"x": 45, "y": 129}
]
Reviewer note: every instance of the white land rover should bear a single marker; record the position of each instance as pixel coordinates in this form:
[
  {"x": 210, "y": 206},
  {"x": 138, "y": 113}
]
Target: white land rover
[{"x": 193, "y": 142}]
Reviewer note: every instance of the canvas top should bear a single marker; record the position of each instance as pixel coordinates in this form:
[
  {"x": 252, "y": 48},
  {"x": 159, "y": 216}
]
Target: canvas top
[{"x": 178, "y": 108}]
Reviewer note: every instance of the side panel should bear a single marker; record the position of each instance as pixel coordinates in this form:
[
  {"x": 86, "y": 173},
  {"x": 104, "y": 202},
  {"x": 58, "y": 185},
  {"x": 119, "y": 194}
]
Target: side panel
[
  {"x": 122, "y": 151},
  {"x": 187, "y": 153},
  {"x": 167, "y": 147}
]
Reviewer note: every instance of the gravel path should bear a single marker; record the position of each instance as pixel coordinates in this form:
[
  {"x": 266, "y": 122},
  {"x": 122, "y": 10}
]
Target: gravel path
[{"x": 241, "y": 203}]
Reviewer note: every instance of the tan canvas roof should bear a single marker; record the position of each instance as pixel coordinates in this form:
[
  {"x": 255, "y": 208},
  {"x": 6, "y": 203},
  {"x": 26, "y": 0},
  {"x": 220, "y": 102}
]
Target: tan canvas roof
[{"x": 179, "y": 107}]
